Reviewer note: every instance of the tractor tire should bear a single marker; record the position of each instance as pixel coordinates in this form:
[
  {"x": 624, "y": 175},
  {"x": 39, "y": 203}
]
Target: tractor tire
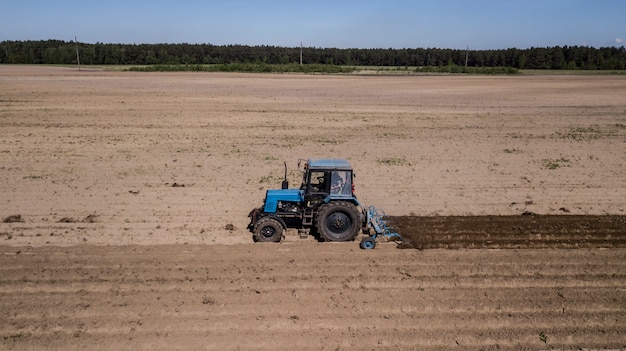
[
  {"x": 267, "y": 230},
  {"x": 338, "y": 221}
]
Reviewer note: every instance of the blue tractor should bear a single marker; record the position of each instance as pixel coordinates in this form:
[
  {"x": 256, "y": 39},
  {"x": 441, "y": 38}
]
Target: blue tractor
[{"x": 324, "y": 205}]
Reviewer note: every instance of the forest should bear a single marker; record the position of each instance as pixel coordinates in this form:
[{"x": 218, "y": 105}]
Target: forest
[{"x": 65, "y": 52}]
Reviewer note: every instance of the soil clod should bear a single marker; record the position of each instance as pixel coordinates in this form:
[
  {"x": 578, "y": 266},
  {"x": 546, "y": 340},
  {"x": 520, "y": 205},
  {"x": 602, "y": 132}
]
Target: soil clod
[{"x": 13, "y": 219}]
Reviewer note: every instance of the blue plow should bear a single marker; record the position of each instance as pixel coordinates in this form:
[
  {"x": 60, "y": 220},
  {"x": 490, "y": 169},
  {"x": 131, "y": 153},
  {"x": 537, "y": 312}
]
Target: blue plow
[{"x": 378, "y": 226}]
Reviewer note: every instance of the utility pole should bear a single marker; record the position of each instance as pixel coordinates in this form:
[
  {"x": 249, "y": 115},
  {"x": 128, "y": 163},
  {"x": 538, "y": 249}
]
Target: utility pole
[
  {"x": 300, "y": 53},
  {"x": 77, "y": 55},
  {"x": 466, "y": 54}
]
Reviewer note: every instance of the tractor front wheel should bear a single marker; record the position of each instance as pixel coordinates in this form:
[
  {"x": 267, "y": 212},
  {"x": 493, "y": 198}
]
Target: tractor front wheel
[
  {"x": 268, "y": 230},
  {"x": 338, "y": 221}
]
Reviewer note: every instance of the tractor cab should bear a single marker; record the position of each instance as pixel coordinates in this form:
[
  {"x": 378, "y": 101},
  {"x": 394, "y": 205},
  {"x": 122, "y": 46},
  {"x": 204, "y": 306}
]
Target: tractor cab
[{"x": 332, "y": 178}]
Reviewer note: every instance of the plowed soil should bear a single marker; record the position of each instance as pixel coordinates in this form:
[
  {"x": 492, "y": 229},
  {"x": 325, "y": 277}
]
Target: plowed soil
[
  {"x": 123, "y": 203},
  {"x": 511, "y": 232}
]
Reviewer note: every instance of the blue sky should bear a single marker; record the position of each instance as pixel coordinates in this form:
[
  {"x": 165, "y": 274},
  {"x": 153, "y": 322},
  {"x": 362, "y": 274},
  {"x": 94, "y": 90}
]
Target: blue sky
[{"x": 454, "y": 24}]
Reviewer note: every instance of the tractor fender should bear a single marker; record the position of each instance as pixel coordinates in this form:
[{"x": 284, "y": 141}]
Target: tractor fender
[
  {"x": 350, "y": 199},
  {"x": 258, "y": 214},
  {"x": 280, "y": 220}
]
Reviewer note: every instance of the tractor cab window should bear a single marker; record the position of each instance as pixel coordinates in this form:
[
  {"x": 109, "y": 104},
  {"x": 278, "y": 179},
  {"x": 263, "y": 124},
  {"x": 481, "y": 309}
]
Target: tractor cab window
[
  {"x": 318, "y": 182},
  {"x": 341, "y": 183}
]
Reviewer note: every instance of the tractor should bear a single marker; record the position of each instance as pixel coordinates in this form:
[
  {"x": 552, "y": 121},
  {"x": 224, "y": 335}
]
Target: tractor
[{"x": 325, "y": 205}]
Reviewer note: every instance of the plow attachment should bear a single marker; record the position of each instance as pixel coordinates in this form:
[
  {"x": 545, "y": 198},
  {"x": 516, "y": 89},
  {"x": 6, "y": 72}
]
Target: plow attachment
[{"x": 378, "y": 226}]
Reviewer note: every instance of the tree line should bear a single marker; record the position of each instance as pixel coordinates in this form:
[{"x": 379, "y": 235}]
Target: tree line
[{"x": 64, "y": 52}]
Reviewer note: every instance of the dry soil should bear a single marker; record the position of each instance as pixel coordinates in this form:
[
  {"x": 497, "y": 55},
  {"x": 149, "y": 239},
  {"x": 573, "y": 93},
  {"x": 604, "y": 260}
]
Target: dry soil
[{"x": 125, "y": 198}]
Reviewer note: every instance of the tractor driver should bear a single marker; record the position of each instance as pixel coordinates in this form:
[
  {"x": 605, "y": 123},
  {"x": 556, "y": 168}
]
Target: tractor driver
[{"x": 336, "y": 184}]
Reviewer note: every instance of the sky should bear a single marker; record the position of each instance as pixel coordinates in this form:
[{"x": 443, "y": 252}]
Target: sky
[{"x": 447, "y": 24}]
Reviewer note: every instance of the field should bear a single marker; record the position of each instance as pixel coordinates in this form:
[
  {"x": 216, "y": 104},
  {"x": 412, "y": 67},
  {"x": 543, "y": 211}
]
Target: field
[{"x": 124, "y": 198}]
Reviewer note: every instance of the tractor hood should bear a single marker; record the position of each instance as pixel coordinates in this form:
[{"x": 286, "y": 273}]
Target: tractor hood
[{"x": 273, "y": 196}]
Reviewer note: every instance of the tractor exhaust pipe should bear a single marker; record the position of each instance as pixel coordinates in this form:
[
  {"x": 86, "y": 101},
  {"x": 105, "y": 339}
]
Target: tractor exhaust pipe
[{"x": 285, "y": 184}]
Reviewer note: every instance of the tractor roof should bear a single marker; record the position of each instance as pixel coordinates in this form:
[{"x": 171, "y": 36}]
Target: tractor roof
[{"x": 330, "y": 163}]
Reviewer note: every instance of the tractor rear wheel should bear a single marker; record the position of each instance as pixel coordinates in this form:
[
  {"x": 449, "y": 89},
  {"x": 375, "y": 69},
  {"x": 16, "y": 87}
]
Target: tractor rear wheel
[
  {"x": 268, "y": 230},
  {"x": 338, "y": 221}
]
